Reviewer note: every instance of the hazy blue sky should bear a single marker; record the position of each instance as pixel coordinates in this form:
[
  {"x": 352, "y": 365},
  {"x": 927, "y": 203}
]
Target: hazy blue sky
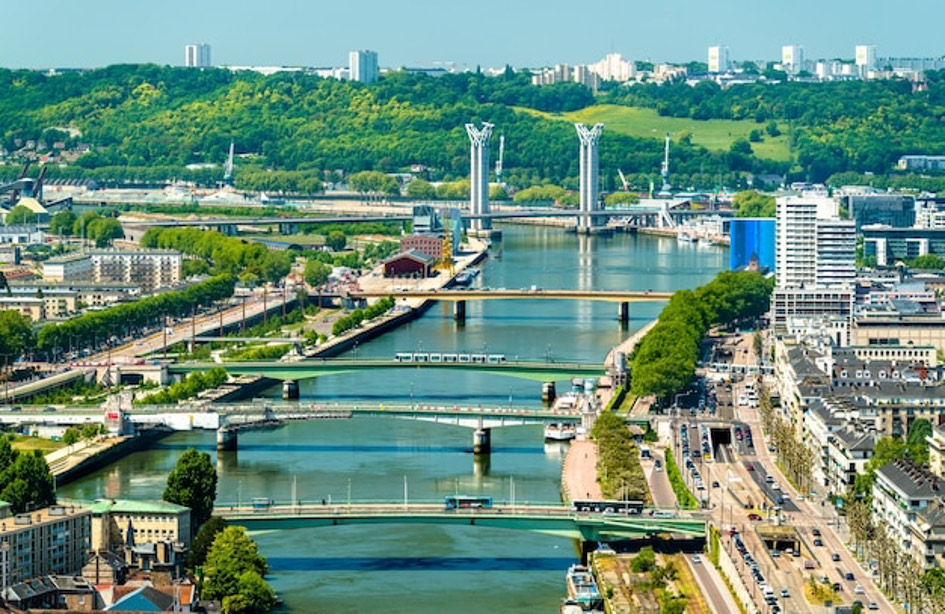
[{"x": 487, "y": 32}]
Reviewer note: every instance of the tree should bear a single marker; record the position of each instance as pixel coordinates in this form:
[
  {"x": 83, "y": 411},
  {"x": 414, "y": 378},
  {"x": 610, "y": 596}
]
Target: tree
[
  {"x": 20, "y": 215},
  {"x": 104, "y": 230},
  {"x": 420, "y": 190},
  {"x": 927, "y": 261},
  {"x": 81, "y": 226},
  {"x": 916, "y": 440},
  {"x": 193, "y": 483},
  {"x": 752, "y": 203},
  {"x": 232, "y": 554},
  {"x": 316, "y": 273},
  {"x": 71, "y": 436},
  {"x": 336, "y": 240},
  {"x": 16, "y": 336},
  {"x": 255, "y": 592},
  {"x": 204, "y": 538},
  {"x": 26, "y": 483},
  {"x": 62, "y": 223}
]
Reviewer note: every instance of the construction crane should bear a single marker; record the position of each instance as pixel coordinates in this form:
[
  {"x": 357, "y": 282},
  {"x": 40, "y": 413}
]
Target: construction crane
[
  {"x": 228, "y": 168},
  {"x": 664, "y": 171},
  {"x": 623, "y": 180},
  {"x": 498, "y": 162}
]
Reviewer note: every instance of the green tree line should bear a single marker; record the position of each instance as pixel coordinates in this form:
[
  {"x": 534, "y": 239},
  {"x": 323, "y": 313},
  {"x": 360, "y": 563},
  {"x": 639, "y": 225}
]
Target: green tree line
[
  {"x": 95, "y": 327},
  {"x": 664, "y": 361}
]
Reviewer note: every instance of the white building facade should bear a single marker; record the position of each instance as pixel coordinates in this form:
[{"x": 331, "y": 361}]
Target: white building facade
[
  {"x": 197, "y": 55},
  {"x": 362, "y": 66}
]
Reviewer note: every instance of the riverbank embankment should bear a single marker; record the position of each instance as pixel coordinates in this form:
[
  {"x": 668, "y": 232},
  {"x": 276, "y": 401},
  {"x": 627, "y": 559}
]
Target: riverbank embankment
[{"x": 79, "y": 459}]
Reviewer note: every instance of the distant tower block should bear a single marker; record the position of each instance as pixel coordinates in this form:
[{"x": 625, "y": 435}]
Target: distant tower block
[
  {"x": 589, "y": 176},
  {"x": 479, "y": 176}
]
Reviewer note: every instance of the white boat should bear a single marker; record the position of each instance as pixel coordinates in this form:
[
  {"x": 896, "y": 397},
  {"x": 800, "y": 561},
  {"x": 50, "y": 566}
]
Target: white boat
[
  {"x": 685, "y": 237},
  {"x": 560, "y": 432},
  {"x": 706, "y": 241}
]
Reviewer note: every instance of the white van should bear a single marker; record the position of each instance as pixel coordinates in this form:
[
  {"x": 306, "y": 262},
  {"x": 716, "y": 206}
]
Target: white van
[{"x": 775, "y": 486}]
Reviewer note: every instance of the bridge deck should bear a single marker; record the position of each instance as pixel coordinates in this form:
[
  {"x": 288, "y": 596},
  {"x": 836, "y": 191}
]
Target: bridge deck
[
  {"x": 304, "y": 369},
  {"x": 613, "y": 296},
  {"x": 540, "y": 518}
]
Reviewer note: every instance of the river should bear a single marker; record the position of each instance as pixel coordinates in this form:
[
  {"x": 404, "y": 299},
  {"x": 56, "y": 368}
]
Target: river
[{"x": 421, "y": 569}]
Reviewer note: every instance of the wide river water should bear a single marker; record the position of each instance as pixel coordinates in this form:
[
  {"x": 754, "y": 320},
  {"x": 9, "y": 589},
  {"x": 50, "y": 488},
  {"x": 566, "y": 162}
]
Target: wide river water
[{"x": 417, "y": 568}]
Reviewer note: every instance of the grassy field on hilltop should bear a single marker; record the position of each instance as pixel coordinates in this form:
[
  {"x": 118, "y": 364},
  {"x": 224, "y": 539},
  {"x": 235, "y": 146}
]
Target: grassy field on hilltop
[{"x": 714, "y": 134}]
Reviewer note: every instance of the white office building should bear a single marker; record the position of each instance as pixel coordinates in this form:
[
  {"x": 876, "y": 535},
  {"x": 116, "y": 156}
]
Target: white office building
[
  {"x": 796, "y": 236},
  {"x": 792, "y": 59},
  {"x": 865, "y": 59},
  {"x": 836, "y": 253},
  {"x": 197, "y": 55},
  {"x": 362, "y": 66},
  {"x": 718, "y": 59}
]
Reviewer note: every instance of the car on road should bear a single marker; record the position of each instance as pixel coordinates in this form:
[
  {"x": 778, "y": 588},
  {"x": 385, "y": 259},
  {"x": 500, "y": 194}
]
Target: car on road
[
  {"x": 754, "y": 517},
  {"x": 816, "y": 532},
  {"x": 776, "y": 553},
  {"x": 858, "y": 590},
  {"x": 715, "y": 484},
  {"x": 873, "y": 606},
  {"x": 818, "y": 542},
  {"x": 785, "y": 592},
  {"x": 848, "y": 575},
  {"x": 696, "y": 558},
  {"x": 750, "y": 467},
  {"x": 835, "y": 557}
]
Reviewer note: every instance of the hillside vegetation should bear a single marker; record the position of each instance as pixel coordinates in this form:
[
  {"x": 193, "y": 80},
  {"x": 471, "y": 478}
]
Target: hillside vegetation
[{"x": 294, "y": 131}]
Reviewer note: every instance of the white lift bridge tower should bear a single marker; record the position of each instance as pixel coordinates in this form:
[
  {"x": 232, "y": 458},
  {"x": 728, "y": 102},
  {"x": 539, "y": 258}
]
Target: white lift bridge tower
[
  {"x": 590, "y": 168},
  {"x": 479, "y": 175}
]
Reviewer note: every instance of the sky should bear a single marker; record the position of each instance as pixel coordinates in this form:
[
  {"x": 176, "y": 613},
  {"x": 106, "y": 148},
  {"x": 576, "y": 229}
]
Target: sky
[{"x": 91, "y": 33}]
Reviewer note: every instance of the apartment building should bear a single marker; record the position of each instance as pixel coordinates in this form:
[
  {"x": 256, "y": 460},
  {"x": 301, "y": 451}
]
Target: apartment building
[
  {"x": 52, "y": 540},
  {"x": 147, "y": 269},
  {"x": 905, "y": 498},
  {"x": 113, "y": 520}
]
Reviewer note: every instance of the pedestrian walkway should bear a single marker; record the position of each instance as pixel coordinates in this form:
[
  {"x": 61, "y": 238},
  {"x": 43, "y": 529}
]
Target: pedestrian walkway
[{"x": 579, "y": 474}]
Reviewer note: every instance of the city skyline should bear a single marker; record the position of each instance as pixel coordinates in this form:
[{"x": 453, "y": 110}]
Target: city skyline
[{"x": 323, "y": 35}]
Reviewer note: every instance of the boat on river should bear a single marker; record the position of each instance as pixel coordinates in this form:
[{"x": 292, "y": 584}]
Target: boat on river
[
  {"x": 685, "y": 237},
  {"x": 560, "y": 431},
  {"x": 582, "y": 588}
]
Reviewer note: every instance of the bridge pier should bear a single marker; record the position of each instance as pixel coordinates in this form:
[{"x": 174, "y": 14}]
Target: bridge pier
[
  {"x": 482, "y": 441},
  {"x": 227, "y": 439},
  {"x": 459, "y": 311},
  {"x": 548, "y": 392},
  {"x": 586, "y": 549},
  {"x": 623, "y": 312},
  {"x": 290, "y": 390}
]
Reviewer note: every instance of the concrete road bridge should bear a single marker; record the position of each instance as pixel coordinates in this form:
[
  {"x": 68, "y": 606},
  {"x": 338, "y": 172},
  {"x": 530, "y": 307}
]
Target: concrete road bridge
[
  {"x": 623, "y": 298},
  {"x": 551, "y": 519},
  {"x": 229, "y": 419},
  {"x": 290, "y": 225},
  {"x": 306, "y": 369}
]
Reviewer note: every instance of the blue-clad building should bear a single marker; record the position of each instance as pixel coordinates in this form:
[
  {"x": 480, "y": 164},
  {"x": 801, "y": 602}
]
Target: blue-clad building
[{"x": 752, "y": 238}]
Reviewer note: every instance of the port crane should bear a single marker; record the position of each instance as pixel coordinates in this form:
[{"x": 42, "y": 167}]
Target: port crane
[
  {"x": 623, "y": 180},
  {"x": 664, "y": 171},
  {"x": 498, "y": 162}
]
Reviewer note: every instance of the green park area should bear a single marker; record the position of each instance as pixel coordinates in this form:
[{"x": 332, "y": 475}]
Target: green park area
[{"x": 714, "y": 134}]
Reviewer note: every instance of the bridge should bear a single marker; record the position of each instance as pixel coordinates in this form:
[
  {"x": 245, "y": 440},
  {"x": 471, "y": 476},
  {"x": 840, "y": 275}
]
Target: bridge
[
  {"x": 551, "y": 519},
  {"x": 229, "y": 419},
  {"x": 612, "y": 296},
  {"x": 307, "y": 369},
  {"x": 460, "y": 296},
  {"x": 664, "y": 213}
]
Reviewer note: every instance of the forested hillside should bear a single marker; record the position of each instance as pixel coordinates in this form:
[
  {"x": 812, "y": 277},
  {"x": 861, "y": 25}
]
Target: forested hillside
[
  {"x": 146, "y": 123},
  {"x": 860, "y": 126},
  {"x": 139, "y": 117}
]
